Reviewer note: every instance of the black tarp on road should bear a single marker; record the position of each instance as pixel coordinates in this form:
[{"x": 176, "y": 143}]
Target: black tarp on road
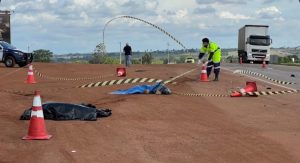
[{"x": 66, "y": 111}]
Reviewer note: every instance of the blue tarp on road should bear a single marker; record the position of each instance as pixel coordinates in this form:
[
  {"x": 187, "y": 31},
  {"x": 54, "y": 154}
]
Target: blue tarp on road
[{"x": 144, "y": 89}]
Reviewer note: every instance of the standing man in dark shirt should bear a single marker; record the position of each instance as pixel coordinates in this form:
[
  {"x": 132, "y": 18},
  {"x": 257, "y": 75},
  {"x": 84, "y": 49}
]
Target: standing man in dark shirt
[{"x": 128, "y": 52}]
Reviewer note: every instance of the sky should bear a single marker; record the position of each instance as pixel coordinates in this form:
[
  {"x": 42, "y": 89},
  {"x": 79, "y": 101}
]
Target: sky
[{"x": 71, "y": 26}]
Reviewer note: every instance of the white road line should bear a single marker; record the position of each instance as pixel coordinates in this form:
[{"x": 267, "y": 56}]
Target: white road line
[{"x": 262, "y": 80}]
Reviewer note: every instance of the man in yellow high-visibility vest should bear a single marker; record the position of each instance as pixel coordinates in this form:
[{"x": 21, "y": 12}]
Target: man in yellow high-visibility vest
[{"x": 214, "y": 57}]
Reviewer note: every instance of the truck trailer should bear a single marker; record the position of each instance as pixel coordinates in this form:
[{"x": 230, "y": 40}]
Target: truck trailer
[{"x": 254, "y": 43}]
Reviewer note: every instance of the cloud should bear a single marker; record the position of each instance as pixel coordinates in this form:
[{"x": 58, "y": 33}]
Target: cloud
[
  {"x": 202, "y": 26},
  {"x": 151, "y": 4},
  {"x": 229, "y": 15},
  {"x": 222, "y": 1},
  {"x": 160, "y": 19},
  {"x": 204, "y": 10},
  {"x": 181, "y": 14},
  {"x": 53, "y": 1},
  {"x": 84, "y": 3},
  {"x": 269, "y": 1},
  {"x": 278, "y": 1},
  {"x": 56, "y": 24},
  {"x": 130, "y": 7},
  {"x": 270, "y": 13},
  {"x": 24, "y": 19},
  {"x": 181, "y": 18},
  {"x": 35, "y": 19}
]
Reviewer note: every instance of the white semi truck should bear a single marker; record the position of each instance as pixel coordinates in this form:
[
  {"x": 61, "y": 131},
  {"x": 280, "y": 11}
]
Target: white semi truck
[{"x": 254, "y": 43}]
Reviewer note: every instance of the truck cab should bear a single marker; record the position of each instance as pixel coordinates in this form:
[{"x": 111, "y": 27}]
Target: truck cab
[
  {"x": 258, "y": 48},
  {"x": 10, "y": 56}
]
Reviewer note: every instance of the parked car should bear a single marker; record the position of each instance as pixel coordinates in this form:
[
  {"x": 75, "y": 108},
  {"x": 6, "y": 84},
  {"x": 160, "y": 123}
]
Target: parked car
[
  {"x": 189, "y": 60},
  {"x": 10, "y": 56}
]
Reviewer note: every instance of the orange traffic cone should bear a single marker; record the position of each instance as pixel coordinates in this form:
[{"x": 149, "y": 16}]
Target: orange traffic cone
[
  {"x": 30, "y": 75},
  {"x": 121, "y": 72},
  {"x": 236, "y": 94},
  {"x": 203, "y": 76},
  {"x": 37, "y": 128},
  {"x": 264, "y": 64},
  {"x": 250, "y": 87}
]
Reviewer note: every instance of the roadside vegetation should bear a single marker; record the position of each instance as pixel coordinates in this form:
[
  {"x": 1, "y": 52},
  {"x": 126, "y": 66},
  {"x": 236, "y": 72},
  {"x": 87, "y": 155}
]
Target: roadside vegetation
[
  {"x": 42, "y": 55},
  {"x": 287, "y": 56}
]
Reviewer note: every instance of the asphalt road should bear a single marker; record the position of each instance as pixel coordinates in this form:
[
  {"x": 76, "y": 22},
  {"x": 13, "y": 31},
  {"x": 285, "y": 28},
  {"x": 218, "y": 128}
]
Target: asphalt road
[{"x": 278, "y": 72}]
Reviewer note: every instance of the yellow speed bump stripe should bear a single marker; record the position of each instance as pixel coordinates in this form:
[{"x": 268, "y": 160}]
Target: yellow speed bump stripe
[
  {"x": 120, "y": 81},
  {"x": 70, "y": 79},
  {"x": 264, "y": 76}
]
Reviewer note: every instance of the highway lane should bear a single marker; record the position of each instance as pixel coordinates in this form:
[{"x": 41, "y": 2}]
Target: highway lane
[{"x": 278, "y": 72}]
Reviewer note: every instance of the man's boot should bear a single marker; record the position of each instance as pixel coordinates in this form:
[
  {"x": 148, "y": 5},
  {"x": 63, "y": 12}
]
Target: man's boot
[{"x": 216, "y": 76}]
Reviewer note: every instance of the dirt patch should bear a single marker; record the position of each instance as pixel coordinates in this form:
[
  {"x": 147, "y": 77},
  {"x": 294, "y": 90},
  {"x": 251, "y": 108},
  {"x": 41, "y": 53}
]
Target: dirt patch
[{"x": 151, "y": 128}]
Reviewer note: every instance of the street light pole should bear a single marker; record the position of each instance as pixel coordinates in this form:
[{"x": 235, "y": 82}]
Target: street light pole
[
  {"x": 168, "y": 53},
  {"x": 120, "y": 54}
]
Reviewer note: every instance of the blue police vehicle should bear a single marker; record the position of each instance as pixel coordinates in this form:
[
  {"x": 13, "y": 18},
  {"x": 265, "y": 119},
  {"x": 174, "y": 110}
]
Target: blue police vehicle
[{"x": 10, "y": 56}]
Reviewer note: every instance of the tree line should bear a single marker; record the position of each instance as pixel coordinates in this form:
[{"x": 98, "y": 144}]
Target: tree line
[{"x": 43, "y": 55}]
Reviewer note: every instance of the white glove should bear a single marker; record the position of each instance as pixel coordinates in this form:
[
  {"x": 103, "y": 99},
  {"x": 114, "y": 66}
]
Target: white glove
[{"x": 199, "y": 61}]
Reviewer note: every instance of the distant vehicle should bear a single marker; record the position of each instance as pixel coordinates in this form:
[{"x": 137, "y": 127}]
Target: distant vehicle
[
  {"x": 254, "y": 43},
  {"x": 189, "y": 60},
  {"x": 11, "y": 56}
]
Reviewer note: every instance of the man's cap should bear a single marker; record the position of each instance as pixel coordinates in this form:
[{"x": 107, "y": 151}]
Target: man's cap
[{"x": 205, "y": 40}]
